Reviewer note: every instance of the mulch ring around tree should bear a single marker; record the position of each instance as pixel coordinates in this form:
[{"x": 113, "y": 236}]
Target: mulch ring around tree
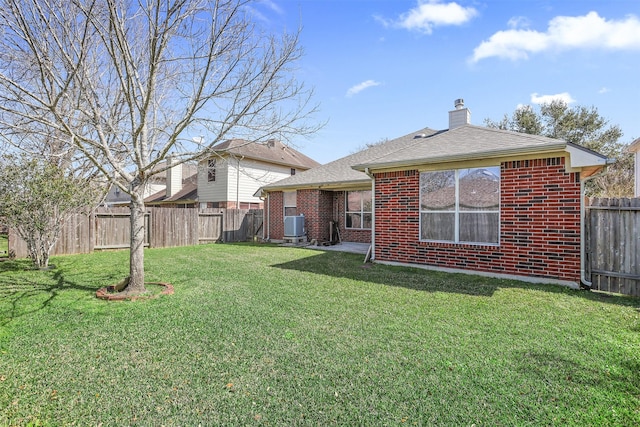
[{"x": 110, "y": 293}]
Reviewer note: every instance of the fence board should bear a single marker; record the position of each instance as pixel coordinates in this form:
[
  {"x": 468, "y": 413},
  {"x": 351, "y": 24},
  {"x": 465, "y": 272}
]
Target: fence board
[
  {"x": 109, "y": 228},
  {"x": 173, "y": 227},
  {"x": 210, "y": 226},
  {"x": 613, "y": 228}
]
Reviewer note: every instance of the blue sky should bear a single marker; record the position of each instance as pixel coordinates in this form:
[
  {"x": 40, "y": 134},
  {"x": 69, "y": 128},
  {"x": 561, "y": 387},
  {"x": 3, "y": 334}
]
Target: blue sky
[{"x": 385, "y": 68}]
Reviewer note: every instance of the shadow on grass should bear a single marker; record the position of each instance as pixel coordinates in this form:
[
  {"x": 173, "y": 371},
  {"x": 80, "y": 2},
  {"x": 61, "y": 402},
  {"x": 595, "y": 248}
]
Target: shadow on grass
[
  {"x": 350, "y": 266},
  {"x": 25, "y": 290}
]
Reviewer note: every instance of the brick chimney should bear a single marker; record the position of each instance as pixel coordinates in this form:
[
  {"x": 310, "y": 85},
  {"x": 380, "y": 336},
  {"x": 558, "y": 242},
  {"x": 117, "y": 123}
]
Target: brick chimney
[
  {"x": 460, "y": 116},
  {"x": 174, "y": 177}
]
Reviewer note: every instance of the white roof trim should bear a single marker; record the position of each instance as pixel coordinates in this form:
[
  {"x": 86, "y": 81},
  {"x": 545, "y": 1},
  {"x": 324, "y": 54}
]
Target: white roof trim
[{"x": 580, "y": 157}]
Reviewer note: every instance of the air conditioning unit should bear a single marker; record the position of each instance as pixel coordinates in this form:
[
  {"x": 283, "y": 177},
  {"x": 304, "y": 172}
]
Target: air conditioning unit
[{"x": 294, "y": 226}]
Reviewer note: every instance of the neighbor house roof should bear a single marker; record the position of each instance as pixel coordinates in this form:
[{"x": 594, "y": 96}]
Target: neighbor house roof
[
  {"x": 339, "y": 173},
  {"x": 188, "y": 193},
  {"x": 470, "y": 142},
  {"x": 272, "y": 151}
]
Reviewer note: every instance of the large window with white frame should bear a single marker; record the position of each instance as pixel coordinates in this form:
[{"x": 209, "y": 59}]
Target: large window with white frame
[
  {"x": 358, "y": 209},
  {"x": 289, "y": 202},
  {"x": 460, "y": 206}
]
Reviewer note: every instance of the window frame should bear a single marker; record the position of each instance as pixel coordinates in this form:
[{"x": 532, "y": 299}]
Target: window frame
[
  {"x": 457, "y": 211},
  {"x": 211, "y": 170},
  {"x": 286, "y": 204},
  {"x": 362, "y": 212}
]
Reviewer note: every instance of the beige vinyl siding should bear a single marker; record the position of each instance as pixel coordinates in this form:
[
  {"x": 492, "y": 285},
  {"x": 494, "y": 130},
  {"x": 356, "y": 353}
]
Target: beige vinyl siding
[
  {"x": 249, "y": 174},
  {"x": 218, "y": 190}
]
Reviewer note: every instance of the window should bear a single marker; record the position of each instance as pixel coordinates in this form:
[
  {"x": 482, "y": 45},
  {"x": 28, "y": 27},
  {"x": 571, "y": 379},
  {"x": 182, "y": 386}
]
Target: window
[
  {"x": 293, "y": 171},
  {"x": 290, "y": 203},
  {"x": 358, "y": 212},
  {"x": 211, "y": 170},
  {"x": 460, "y": 205}
]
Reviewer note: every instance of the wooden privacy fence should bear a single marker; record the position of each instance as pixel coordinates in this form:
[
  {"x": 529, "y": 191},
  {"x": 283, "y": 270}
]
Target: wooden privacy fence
[
  {"x": 108, "y": 228},
  {"x": 613, "y": 245}
]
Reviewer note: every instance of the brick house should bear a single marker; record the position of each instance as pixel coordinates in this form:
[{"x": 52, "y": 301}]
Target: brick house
[{"x": 468, "y": 199}]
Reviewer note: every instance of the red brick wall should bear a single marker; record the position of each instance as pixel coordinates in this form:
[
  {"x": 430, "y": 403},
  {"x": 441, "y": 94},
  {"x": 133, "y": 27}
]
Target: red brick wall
[
  {"x": 274, "y": 213},
  {"x": 539, "y": 224},
  {"x": 317, "y": 207},
  {"x": 349, "y": 234}
]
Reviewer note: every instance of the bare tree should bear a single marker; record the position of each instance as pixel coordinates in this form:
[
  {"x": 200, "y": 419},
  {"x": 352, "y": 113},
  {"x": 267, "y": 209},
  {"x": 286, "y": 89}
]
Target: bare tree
[{"x": 129, "y": 82}]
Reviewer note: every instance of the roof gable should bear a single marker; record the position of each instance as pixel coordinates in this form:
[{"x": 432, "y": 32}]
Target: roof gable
[
  {"x": 272, "y": 151},
  {"x": 340, "y": 172},
  {"x": 466, "y": 142}
]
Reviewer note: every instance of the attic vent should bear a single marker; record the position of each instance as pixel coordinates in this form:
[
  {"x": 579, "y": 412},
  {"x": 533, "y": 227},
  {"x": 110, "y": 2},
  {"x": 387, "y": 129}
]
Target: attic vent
[{"x": 271, "y": 143}]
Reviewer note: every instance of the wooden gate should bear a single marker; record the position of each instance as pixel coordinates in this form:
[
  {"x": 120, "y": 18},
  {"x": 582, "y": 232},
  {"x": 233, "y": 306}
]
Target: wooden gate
[{"x": 613, "y": 245}]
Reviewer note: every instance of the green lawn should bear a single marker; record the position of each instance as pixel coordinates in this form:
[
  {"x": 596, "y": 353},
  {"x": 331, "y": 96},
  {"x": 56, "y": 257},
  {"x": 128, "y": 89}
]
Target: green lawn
[{"x": 267, "y": 335}]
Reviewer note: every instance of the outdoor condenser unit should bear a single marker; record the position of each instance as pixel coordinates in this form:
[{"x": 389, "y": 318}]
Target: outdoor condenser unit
[{"x": 294, "y": 226}]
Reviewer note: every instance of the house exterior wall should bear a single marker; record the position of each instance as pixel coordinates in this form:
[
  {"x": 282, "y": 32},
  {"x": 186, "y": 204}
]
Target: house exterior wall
[
  {"x": 319, "y": 207},
  {"x": 349, "y": 234},
  {"x": 274, "y": 213},
  {"x": 539, "y": 224},
  {"x": 214, "y": 191},
  {"x": 250, "y": 175},
  {"x": 237, "y": 180}
]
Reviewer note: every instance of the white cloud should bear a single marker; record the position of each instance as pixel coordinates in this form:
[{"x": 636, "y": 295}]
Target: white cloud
[
  {"x": 603, "y": 90},
  {"x": 273, "y": 6},
  {"x": 268, "y": 4},
  {"x": 361, "y": 86},
  {"x": 432, "y": 13},
  {"x": 564, "y": 32},
  {"x": 547, "y": 99},
  {"x": 518, "y": 22}
]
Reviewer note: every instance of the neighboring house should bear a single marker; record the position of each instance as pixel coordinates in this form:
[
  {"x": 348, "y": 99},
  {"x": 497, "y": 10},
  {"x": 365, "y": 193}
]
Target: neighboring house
[
  {"x": 180, "y": 189},
  {"x": 155, "y": 187},
  {"x": 467, "y": 198},
  {"x": 635, "y": 149},
  {"x": 117, "y": 197},
  {"x": 229, "y": 178}
]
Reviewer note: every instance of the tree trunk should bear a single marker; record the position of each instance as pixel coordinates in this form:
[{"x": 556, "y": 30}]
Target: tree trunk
[{"x": 136, "y": 257}]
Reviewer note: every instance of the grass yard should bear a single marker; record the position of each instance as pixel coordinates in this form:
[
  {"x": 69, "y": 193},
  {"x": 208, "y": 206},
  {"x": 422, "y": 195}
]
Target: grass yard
[{"x": 267, "y": 335}]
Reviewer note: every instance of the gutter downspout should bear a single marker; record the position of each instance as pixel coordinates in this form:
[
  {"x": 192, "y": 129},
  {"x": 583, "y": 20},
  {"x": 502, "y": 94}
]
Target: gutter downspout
[
  {"x": 268, "y": 229},
  {"x": 373, "y": 213},
  {"x": 584, "y": 282}
]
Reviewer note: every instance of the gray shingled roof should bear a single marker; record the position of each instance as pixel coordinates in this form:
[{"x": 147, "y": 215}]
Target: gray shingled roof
[
  {"x": 272, "y": 151},
  {"x": 340, "y": 173},
  {"x": 465, "y": 143},
  {"x": 188, "y": 193},
  {"x": 425, "y": 146}
]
